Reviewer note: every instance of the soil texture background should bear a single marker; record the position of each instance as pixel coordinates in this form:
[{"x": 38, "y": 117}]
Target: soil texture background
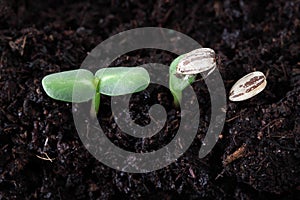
[{"x": 257, "y": 155}]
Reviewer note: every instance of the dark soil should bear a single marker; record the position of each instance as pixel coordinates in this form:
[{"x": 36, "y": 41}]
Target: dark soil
[{"x": 257, "y": 155}]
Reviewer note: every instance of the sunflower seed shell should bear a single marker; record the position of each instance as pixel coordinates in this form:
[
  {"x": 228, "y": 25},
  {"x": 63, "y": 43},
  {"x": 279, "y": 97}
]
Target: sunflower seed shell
[
  {"x": 197, "y": 61},
  {"x": 248, "y": 86}
]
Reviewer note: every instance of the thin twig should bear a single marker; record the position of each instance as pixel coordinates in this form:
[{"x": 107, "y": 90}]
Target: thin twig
[
  {"x": 235, "y": 155},
  {"x": 45, "y": 158}
]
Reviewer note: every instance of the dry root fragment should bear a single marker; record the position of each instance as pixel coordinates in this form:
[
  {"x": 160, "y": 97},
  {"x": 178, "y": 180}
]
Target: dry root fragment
[
  {"x": 235, "y": 155},
  {"x": 45, "y": 158}
]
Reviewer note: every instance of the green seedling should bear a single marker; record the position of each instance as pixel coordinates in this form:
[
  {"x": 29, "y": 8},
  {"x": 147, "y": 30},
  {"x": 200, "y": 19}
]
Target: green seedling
[
  {"x": 116, "y": 81},
  {"x": 112, "y": 81},
  {"x": 184, "y": 69},
  {"x": 178, "y": 83}
]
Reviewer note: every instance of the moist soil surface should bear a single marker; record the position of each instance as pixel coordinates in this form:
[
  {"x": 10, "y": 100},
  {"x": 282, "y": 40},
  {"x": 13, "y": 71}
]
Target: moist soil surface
[{"x": 257, "y": 155}]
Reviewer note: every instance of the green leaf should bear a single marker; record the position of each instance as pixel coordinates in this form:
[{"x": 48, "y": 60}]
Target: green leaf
[
  {"x": 122, "y": 80},
  {"x": 176, "y": 84},
  {"x": 60, "y": 85}
]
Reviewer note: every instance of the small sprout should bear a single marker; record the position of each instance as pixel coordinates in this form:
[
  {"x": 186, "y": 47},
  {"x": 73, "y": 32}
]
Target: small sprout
[
  {"x": 176, "y": 84},
  {"x": 184, "y": 68},
  {"x": 248, "y": 86},
  {"x": 110, "y": 81}
]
